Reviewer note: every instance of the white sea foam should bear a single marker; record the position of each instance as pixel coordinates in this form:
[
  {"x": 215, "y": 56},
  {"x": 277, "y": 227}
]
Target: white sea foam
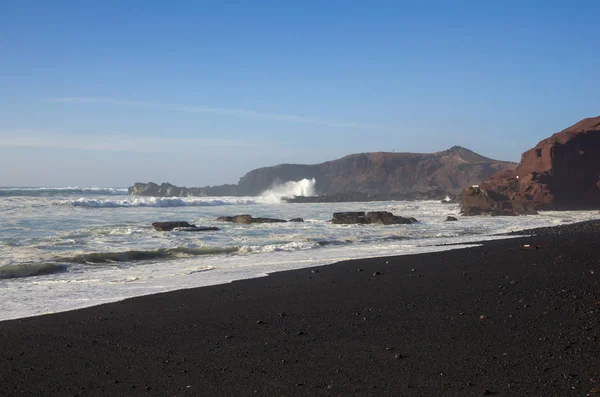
[
  {"x": 159, "y": 202},
  {"x": 291, "y": 246},
  {"x": 60, "y": 191},
  {"x": 304, "y": 187},
  {"x": 109, "y": 255}
]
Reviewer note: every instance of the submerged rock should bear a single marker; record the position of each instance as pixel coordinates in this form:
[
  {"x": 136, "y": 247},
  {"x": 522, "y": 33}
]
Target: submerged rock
[
  {"x": 375, "y": 217},
  {"x": 247, "y": 219},
  {"x": 197, "y": 229},
  {"x": 451, "y": 219},
  {"x": 180, "y": 226},
  {"x": 296, "y": 220}
]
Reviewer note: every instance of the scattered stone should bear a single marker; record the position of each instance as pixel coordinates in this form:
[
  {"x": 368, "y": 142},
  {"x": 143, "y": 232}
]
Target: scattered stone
[
  {"x": 300, "y": 333},
  {"x": 260, "y": 322},
  {"x": 360, "y": 270},
  {"x": 314, "y": 271},
  {"x": 482, "y": 317},
  {"x": 398, "y": 356},
  {"x": 376, "y": 274}
]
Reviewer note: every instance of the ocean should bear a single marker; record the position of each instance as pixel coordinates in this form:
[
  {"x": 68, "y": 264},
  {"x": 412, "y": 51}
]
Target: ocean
[{"x": 69, "y": 248}]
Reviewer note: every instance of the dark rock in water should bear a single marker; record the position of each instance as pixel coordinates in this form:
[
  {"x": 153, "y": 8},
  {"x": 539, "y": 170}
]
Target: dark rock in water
[
  {"x": 387, "y": 218},
  {"x": 197, "y": 229},
  {"x": 434, "y": 194},
  {"x": 559, "y": 173},
  {"x": 168, "y": 226},
  {"x": 296, "y": 220},
  {"x": 181, "y": 226},
  {"x": 331, "y": 198},
  {"x": 451, "y": 219},
  {"x": 375, "y": 217},
  {"x": 247, "y": 219},
  {"x": 347, "y": 218}
]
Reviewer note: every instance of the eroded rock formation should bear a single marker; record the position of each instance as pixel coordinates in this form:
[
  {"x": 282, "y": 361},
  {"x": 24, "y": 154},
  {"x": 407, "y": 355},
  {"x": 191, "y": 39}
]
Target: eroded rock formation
[{"x": 561, "y": 172}]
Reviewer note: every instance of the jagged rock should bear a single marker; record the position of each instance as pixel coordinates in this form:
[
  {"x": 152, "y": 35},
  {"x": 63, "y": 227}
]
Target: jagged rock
[
  {"x": 247, "y": 219},
  {"x": 181, "y": 226},
  {"x": 451, "y": 219},
  {"x": 479, "y": 201},
  {"x": 296, "y": 220},
  {"x": 561, "y": 172},
  {"x": 376, "y": 217}
]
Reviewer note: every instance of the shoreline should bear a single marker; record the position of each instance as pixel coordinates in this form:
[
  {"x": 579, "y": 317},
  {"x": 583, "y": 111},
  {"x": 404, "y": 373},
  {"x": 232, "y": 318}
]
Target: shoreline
[{"x": 498, "y": 318}]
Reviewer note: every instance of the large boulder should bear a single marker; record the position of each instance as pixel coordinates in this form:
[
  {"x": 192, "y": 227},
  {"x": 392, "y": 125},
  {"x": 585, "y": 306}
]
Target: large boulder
[
  {"x": 247, "y": 219},
  {"x": 479, "y": 201},
  {"x": 560, "y": 173},
  {"x": 387, "y": 218},
  {"x": 376, "y": 217}
]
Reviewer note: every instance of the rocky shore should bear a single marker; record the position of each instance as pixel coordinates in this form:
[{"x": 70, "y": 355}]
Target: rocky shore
[{"x": 512, "y": 317}]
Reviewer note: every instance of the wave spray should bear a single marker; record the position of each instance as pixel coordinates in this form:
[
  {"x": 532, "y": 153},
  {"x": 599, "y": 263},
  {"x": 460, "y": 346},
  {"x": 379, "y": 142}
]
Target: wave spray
[{"x": 305, "y": 187}]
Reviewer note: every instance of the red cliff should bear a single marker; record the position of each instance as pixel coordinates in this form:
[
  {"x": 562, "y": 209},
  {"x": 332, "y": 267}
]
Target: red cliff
[{"x": 561, "y": 172}]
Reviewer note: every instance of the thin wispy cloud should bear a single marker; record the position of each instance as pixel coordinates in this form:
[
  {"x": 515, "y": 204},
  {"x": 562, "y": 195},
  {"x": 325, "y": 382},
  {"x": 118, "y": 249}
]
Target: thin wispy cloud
[
  {"x": 119, "y": 143},
  {"x": 220, "y": 111}
]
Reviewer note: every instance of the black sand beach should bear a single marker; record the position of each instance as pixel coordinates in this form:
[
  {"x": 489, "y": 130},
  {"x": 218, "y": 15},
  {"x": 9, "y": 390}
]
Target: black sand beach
[{"x": 501, "y": 319}]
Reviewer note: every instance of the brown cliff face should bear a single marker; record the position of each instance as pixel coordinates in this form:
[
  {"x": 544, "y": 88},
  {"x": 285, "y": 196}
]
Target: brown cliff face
[
  {"x": 560, "y": 172},
  {"x": 383, "y": 173}
]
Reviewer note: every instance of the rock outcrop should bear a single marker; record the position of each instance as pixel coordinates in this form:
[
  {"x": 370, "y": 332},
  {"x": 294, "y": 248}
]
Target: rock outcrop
[
  {"x": 375, "y": 217},
  {"x": 247, "y": 219},
  {"x": 560, "y": 173},
  {"x": 359, "y": 177}
]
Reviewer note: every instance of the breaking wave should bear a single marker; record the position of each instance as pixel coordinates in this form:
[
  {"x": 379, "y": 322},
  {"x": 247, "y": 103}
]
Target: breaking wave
[
  {"x": 28, "y": 270},
  {"x": 293, "y": 246},
  {"x": 144, "y": 255},
  {"x": 60, "y": 191},
  {"x": 304, "y": 187},
  {"x": 159, "y": 202}
]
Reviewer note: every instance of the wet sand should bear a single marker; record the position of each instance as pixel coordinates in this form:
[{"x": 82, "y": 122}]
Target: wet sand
[{"x": 500, "y": 319}]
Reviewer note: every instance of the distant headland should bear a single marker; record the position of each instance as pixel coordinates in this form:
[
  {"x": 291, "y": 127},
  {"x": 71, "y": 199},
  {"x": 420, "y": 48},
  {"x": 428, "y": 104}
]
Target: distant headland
[{"x": 358, "y": 177}]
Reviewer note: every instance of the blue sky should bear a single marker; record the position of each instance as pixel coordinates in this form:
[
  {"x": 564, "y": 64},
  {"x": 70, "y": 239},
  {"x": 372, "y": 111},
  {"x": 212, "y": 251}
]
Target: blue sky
[{"x": 198, "y": 92}]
